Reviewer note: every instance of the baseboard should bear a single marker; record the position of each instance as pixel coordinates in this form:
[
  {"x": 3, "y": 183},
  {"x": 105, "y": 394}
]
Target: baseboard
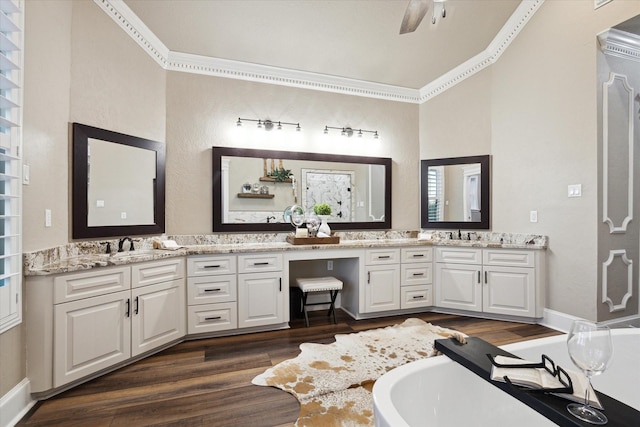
[
  {"x": 16, "y": 403},
  {"x": 562, "y": 321},
  {"x": 624, "y": 322},
  {"x": 557, "y": 320}
]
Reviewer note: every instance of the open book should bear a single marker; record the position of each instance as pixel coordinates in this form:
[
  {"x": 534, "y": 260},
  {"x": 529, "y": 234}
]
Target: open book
[{"x": 540, "y": 378}]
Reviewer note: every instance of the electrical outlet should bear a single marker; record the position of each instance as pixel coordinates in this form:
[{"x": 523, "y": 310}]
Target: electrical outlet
[
  {"x": 123, "y": 215},
  {"x": 47, "y": 217},
  {"x": 330, "y": 265},
  {"x": 533, "y": 216}
]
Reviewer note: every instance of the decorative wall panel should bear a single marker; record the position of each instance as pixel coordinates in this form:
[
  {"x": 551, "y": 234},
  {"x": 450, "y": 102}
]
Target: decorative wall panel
[
  {"x": 617, "y": 158},
  {"x": 615, "y": 270}
]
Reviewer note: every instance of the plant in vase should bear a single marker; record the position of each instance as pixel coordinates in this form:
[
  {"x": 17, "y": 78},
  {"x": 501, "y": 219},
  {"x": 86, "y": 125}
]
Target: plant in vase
[{"x": 323, "y": 210}]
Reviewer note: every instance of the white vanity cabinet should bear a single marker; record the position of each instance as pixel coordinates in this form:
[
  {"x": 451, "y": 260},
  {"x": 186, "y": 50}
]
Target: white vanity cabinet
[
  {"x": 416, "y": 277},
  {"x": 157, "y": 304},
  {"x": 261, "y": 295},
  {"x": 496, "y": 281},
  {"x": 212, "y": 289},
  {"x": 382, "y": 280},
  {"x": 81, "y": 323}
]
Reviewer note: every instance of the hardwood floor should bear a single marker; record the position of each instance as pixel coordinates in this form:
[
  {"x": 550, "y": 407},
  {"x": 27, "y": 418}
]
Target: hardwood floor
[{"x": 208, "y": 382}]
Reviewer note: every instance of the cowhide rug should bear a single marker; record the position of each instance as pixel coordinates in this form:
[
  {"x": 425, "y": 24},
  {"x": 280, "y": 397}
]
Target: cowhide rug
[{"x": 333, "y": 382}]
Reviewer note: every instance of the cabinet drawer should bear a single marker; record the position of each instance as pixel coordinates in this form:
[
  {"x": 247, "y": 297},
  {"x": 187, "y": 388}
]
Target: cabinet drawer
[
  {"x": 416, "y": 296},
  {"x": 207, "y": 265},
  {"x": 212, "y": 289},
  {"x": 419, "y": 254},
  {"x": 459, "y": 255},
  {"x": 149, "y": 273},
  {"x": 382, "y": 256},
  {"x": 212, "y": 317},
  {"x": 72, "y": 287},
  {"x": 416, "y": 274},
  {"x": 257, "y": 263},
  {"x": 509, "y": 258}
]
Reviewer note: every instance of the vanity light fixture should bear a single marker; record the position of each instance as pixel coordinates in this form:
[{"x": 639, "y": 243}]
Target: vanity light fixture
[
  {"x": 348, "y": 131},
  {"x": 268, "y": 124}
]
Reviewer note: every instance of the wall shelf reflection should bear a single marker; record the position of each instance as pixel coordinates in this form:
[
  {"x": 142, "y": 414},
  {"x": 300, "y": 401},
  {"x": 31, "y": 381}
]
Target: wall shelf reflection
[{"x": 255, "y": 196}]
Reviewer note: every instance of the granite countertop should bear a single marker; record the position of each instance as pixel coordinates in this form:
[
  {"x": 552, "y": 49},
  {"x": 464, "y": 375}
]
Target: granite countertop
[{"x": 87, "y": 255}]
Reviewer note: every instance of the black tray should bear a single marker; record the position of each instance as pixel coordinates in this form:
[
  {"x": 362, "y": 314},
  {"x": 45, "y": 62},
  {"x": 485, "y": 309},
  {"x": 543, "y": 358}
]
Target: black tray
[{"x": 473, "y": 356}]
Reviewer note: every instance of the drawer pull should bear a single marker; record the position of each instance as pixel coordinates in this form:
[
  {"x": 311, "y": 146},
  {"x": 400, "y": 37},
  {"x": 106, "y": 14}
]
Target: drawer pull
[
  {"x": 418, "y": 255},
  {"x": 213, "y": 290},
  {"x": 213, "y": 266},
  {"x": 135, "y": 310},
  {"x": 213, "y": 318},
  {"x": 128, "y": 304},
  {"x": 418, "y": 297},
  {"x": 384, "y": 257},
  {"x": 261, "y": 263},
  {"x": 418, "y": 274}
]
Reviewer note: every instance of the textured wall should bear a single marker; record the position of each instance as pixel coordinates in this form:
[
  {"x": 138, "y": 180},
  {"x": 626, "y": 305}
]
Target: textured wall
[
  {"x": 534, "y": 111},
  {"x": 201, "y": 113}
]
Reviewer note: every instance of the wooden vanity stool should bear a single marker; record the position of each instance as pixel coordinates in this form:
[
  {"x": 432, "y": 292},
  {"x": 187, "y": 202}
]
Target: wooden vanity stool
[{"x": 319, "y": 284}]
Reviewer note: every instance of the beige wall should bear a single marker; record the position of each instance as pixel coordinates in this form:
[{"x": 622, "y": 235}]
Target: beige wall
[
  {"x": 534, "y": 111},
  {"x": 81, "y": 67},
  {"x": 202, "y": 111}
]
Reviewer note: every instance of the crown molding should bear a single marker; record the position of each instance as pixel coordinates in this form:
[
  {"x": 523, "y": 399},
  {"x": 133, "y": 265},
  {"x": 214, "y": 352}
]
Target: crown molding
[
  {"x": 197, "y": 64},
  {"x": 189, "y": 63},
  {"x": 490, "y": 55},
  {"x": 620, "y": 43}
]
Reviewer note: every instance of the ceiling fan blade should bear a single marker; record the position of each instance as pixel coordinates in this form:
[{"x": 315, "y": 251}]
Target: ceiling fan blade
[{"x": 416, "y": 10}]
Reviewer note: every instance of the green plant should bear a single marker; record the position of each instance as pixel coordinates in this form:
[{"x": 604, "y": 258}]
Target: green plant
[
  {"x": 280, "y": 175},
  {"x": 322, "y": 209}
]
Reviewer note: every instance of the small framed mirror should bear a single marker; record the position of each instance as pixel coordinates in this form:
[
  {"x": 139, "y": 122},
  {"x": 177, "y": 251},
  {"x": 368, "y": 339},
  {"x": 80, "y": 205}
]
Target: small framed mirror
[
  {"x": 455, "y": 193},
  {"x": 118, "y": 184}
]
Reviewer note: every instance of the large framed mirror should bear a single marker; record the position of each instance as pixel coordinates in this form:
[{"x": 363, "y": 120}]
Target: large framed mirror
[
  {"x": 456, "y": 193},
  {"x": 252, "y": 189},
  {"x": 118, "y": 184}
]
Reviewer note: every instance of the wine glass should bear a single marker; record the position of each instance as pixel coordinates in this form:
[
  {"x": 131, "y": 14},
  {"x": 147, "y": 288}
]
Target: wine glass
[{"x": 591, "y": 349}]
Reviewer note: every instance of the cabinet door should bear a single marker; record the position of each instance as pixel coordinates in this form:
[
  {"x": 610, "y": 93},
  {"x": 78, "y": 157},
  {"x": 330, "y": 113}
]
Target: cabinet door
[
  {"x": 260, "y": 299},
  {"x": 90, "y": 335},
  {"x": 458, "y": 286},
  {"x": 382, "y": 291},
  {"x": 509, "y": 290},
  {"x": 158, "y": 315}
]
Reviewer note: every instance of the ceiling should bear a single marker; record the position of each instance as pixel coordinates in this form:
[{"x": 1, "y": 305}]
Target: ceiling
[{"x": 357, "y": 39}]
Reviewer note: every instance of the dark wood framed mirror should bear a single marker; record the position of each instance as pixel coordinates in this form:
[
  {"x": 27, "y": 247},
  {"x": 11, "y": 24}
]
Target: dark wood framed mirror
[
  {"x": 118, "y": 184},
  {"x": 456, "y": 193},
  {"x": 252, "y": 189}
]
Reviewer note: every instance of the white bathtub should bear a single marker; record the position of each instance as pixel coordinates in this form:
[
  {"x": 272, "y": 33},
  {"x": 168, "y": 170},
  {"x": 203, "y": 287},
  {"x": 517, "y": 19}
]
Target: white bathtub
[{"x": 438, "y": 392}]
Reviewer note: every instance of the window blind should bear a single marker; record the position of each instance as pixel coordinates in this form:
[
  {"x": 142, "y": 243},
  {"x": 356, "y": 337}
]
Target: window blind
[
  {"x": 11, "y": 42},
  {"x": 435, "y": 186}
]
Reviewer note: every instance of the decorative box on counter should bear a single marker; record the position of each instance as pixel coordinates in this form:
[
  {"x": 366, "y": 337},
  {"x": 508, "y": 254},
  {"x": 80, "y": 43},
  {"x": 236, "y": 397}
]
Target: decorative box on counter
[{"x": 332, "y": 240}]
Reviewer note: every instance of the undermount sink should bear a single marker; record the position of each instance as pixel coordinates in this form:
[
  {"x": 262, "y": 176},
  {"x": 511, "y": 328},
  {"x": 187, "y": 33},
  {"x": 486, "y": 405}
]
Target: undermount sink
[{"x": 134, "y": 253}]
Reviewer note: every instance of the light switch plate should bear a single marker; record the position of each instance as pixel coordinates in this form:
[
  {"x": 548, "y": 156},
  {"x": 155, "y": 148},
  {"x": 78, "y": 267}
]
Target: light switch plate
[
  {"x": 574, "y": 190},
  {"x": 533, "y": 216},
  {"x": 25, "y": 174}
]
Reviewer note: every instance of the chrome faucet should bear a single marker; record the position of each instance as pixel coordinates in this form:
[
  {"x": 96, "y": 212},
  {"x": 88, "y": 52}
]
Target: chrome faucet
[{"x": 121, "y": 244}]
